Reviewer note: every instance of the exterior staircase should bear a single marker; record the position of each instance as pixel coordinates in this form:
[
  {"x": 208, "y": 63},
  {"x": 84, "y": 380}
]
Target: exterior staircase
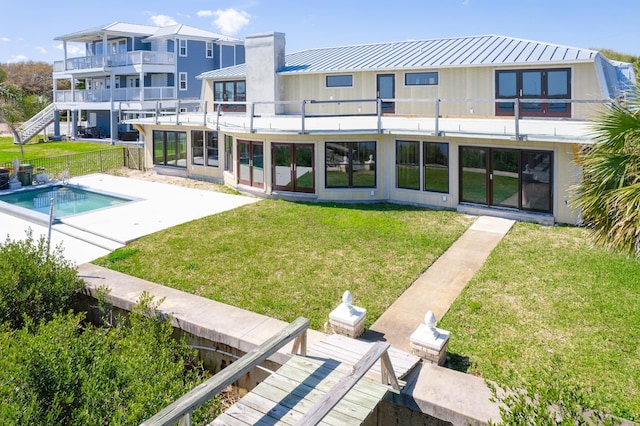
[{"x": 36, "y": 124}]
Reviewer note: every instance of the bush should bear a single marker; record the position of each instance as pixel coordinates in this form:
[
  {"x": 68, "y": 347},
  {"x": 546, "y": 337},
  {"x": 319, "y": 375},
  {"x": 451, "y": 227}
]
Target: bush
[
  {"x": 66, "y": 372},
  {"x": 33, "y": 282}
]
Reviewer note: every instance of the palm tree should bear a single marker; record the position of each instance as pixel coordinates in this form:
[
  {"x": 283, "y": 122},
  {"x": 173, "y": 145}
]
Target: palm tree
[{"x": 608, "y": 195}]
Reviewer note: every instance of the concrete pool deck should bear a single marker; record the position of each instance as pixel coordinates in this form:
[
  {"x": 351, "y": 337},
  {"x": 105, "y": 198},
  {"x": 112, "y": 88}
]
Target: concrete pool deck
[{"x": 158, "y": 206}]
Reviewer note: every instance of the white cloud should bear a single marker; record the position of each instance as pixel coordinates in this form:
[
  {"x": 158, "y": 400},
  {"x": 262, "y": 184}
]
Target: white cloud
[
  {"x": 17, "y": 58},
  {"x": 229, "y": 21},
  {"x": 162, "y": 20},
  {"x": 72, "y": 49},
  {"x": 5, "y": 39},
  {"x": 41, "y": 49}
]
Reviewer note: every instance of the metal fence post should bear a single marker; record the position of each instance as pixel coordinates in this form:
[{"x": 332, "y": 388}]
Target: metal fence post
[
  {"x": 302, "y": 109},
  {"x": 516, "y": 114},
  {"x": 437, "y": 117}
]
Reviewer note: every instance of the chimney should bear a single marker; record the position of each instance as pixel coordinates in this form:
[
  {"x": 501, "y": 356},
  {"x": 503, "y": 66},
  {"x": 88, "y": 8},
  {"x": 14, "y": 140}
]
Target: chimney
[{"x": 264, "y": 56}]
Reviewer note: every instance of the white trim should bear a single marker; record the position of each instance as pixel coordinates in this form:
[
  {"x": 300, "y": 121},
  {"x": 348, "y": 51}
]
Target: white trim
[
  {"x": 208, "y": 49},
  {"x": 180, "y": 41},
  {"x": 182, "y": 78}
]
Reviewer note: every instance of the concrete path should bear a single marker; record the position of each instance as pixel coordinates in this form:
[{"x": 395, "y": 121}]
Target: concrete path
[{"x": 440, "y": 285}]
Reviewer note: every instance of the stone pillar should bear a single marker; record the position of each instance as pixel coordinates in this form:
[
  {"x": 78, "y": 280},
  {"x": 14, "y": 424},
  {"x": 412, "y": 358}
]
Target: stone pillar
[
  {"x": 347, "y": 319},
  {"x": 428, "y": 342},
  {"x": 74, "y": 124},
  {"x": 56, "y": 124}
]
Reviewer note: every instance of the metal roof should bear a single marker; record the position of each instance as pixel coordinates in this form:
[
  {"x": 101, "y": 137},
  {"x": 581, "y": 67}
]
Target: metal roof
[
  {"x": 487, "y": 50},
  {"x": 151, "y": 32}
]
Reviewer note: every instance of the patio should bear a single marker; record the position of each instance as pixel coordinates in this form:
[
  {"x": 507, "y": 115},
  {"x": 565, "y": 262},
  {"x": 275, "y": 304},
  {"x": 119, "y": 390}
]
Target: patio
[{"x": 158, "y": 206}]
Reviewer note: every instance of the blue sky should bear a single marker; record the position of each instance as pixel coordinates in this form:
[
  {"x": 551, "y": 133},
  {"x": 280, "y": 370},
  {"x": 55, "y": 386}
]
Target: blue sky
[{"x": 28, "y": 27}]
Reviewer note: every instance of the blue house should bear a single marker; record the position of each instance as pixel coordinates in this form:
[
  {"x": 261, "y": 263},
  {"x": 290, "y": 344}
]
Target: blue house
[{"x": 131, "y": 70}]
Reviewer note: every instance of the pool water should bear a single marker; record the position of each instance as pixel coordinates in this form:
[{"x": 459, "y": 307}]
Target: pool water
[{"x": 67, "y": 200}]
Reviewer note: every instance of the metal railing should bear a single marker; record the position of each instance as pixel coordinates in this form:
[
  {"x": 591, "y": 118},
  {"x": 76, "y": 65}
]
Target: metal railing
[
  {"x": 119, "y": 94},
  {"x": 438, "y": 117},
  {"x": 115, "y": 60},
  {"x": 86, "y": 163},
  {"x": 183, "y": 407}
]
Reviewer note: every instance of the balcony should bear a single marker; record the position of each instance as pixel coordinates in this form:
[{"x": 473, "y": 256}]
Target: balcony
[
  {"x": 138, "y": 57},
  {"x": 516, "y": 128},
  {"x": 119, "y": 95}
]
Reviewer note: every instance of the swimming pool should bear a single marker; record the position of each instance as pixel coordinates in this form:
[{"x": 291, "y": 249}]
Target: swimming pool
[{"x": 67, "y": 200}]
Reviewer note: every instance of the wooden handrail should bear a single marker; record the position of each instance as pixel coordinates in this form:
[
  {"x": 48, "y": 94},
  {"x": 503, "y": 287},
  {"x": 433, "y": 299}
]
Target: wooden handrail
[
  {"x": 198, "y": 396},
  {"x": 321, "y": 408}
]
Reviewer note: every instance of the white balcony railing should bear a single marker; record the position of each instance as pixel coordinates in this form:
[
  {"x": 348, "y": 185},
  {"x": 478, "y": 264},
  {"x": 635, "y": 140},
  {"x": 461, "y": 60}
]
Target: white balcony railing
[
  {"x": 121, "y": 94},
  {"x": 117, "y": 60}
]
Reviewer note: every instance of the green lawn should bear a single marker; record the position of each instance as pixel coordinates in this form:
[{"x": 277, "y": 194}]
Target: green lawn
[
  {"x": 286, "y": 259},
  {"x": 10, "y": 151},
  {"x": 544, "y": 299},
  {"x": 547, "y": 299}
]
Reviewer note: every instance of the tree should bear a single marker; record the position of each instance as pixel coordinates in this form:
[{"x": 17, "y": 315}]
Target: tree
[{"x": 608, "y": 195}]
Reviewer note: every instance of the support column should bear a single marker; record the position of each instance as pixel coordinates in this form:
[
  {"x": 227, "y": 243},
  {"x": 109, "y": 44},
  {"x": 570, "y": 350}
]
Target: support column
[
  {"x": 56, "y": 124},
  {"x": 114, "y": 126},
  {"x": 74, "y": 123}
]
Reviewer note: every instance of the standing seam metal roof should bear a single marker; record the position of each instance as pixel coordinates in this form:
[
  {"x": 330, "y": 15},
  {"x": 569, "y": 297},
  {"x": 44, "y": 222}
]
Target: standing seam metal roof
[{"x": 484, "y": 50}]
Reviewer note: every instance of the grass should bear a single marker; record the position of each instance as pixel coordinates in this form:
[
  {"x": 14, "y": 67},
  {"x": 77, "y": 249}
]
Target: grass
[
  {"x": 545, "y": 299},
  {"x": 286, "y": 259},
  {"x": 10, "y": 151}
]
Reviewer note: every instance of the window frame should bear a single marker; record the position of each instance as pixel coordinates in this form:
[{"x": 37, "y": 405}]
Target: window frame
[
  {"x": 182, "y": 47},
  {"x": 348, "y": 165},
  {"x": 202, "y": 139},
  {"x": 238, "y": 96},
  {"x": 426, "y": 75},
  {"x": 546, "y": 109},
  {"x": 209, "y": 49},
  {"x": 335, "y": 80},
  {"x": 182, "y": 81},
  {"x": 420, "y": 163}
]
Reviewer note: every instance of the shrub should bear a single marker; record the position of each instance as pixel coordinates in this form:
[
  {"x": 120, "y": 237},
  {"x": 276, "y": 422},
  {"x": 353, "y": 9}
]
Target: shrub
[{"x": 34, "y": 282}]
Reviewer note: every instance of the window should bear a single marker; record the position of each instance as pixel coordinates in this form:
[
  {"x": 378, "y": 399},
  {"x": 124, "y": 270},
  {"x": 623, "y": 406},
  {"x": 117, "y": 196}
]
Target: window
[
  {"x": 350, "y": 164},
  {"x": 339, "y": 80},
  {"x": 170, "y": 148},
  {"x": 228, "y": 153},
  {"x": 536, "y": 86},
  {"x": 421, "y": 79},
  {"x": 230, "y": 91},
  {"x": 408, "y": 164},
  {"x": 209, "y": 49},
  {"x": 182, "y": 47},
  {"x": 434, "y": 165},
  {"x": 204, "y": 148},
  {"x": 182, "y": 81}
]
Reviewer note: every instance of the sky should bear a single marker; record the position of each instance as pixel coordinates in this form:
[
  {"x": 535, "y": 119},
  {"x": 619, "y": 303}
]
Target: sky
[{"x": 28, "y": 27}]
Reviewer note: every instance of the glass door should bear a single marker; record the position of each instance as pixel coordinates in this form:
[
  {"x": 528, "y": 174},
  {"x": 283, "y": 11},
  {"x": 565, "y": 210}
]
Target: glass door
[
  {"x": 251, "y": 163},
  {"x": 386, "y": 89},
  {"x": 473, "y": 175},
  {"x": 519, "y": 179},
  {"x": 503, "y": 179},
  {"x": 292, "y": 168}
]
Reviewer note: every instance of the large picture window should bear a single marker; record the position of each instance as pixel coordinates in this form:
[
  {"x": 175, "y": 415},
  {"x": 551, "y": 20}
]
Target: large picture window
[
  {"x": 433, "y": 163},
  {"x": 538, "y": 86},
  {"x": 170, "y": 148},
  {"x": 230, "y": 91},
  {"x": 204, "y": 148},
  {"x": 350, "y": 164}
]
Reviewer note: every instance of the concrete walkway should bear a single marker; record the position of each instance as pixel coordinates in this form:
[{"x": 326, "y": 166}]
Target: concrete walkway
[{"x": 440, "y": 285}]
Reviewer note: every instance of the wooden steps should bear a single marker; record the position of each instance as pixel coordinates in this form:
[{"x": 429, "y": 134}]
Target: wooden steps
[
  {"x": 296, "y": 388},
  {"x": 285, "y": 396}
]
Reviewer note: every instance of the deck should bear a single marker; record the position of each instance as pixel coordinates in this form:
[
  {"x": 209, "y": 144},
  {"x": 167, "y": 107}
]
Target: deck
[{"x": 303, "y": 383}]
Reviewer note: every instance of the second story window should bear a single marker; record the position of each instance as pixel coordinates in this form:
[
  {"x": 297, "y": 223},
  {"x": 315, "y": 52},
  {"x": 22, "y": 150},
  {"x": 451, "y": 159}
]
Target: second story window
[
  {"x": 209, "y": 49},
  {"x": 230, "y": 91},
  {"x": 182, "y": 81},
  {"x": 421, "y": 79},
  {"x": 339, "y": 80},
  {"x": 182, "y": 47}
]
